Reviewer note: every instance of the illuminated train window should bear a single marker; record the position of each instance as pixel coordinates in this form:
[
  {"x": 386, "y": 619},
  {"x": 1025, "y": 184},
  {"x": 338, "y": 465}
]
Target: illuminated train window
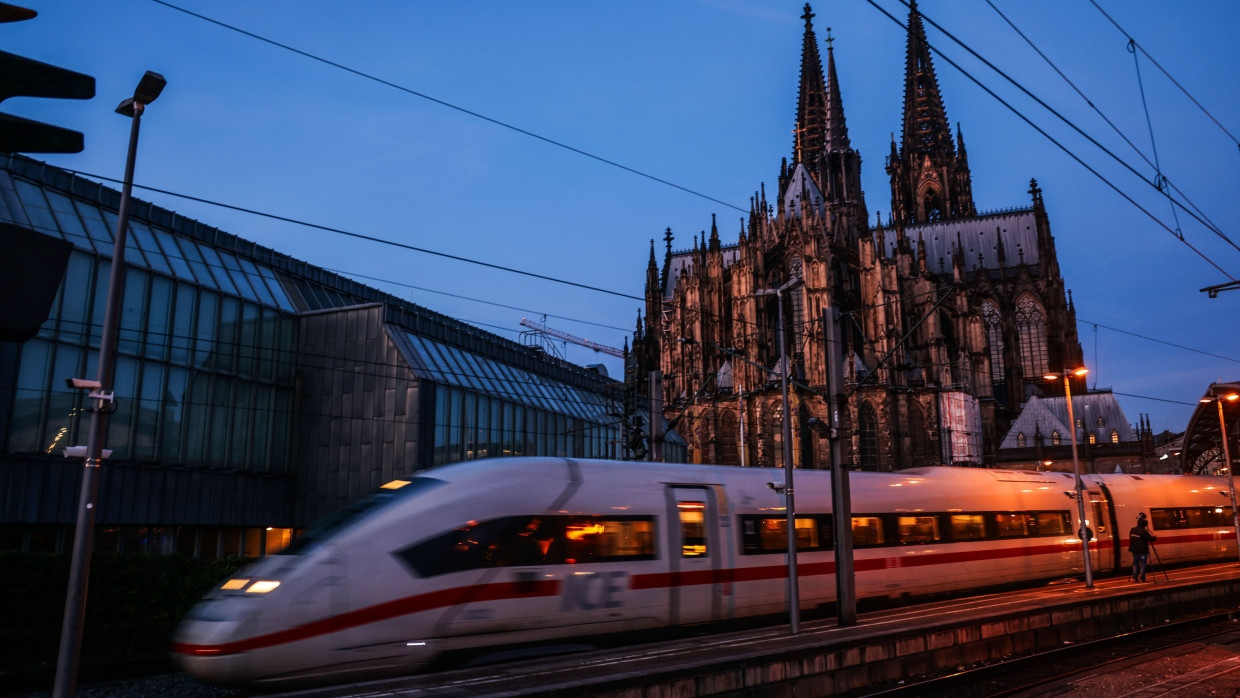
[
  {"x": 1190, "y": 517},
  {"x": 692, "y": 528},
  {"x": 529, "y": 541},
  {"x": 766, "y": 534}
]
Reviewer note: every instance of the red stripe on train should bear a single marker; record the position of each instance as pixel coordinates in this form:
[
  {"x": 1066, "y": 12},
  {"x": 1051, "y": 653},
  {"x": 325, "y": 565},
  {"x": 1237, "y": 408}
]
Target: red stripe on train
[{"x": 659, "y": 580}]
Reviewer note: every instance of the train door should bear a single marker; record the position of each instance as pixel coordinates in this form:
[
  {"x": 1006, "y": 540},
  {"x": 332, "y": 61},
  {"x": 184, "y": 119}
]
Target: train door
[
  {"x": 1116, "y": 539},
  {"x": 1104, "y": 547},
  {"x": 696, "y": 589}
]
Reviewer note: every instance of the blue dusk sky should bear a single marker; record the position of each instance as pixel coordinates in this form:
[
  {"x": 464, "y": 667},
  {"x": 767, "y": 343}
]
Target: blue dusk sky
[{"x": 560, "y": 138}]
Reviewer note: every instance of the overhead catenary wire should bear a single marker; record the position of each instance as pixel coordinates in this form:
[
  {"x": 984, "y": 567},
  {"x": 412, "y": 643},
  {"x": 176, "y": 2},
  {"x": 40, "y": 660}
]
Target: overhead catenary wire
[
  {"x": 1068, "y": 151},
  {"x": 449, "y": 105},
  {"x": 1191, "y": 98},
  {"x": 371, "y": 238},
  {"x": 1163, "y": 180}
]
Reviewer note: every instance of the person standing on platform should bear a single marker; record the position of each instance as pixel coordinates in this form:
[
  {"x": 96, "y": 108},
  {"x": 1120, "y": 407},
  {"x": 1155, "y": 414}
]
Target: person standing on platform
[{"x": 1139, "y": 539}]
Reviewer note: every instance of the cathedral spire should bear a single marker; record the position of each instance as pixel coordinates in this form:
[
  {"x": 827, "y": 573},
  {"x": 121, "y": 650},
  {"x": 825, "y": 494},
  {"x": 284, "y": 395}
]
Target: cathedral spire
[
  {"x": 836, "y": 129},
  {"x": 929, "y": 179},
  {"x": 810, "y": 128}
]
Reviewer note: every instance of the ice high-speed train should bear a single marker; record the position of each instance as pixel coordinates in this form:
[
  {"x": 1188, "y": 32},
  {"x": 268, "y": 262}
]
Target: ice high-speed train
[{"x": 493, "y": 553}]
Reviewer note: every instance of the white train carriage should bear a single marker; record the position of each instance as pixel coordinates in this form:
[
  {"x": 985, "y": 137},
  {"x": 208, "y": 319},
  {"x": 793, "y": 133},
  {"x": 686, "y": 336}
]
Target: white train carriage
[{"x": 488, "y": 554}]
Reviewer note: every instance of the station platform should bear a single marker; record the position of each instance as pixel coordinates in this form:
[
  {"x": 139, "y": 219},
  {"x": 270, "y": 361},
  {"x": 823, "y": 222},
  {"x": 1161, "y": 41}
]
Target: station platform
[{"x": 825, "y": 658}]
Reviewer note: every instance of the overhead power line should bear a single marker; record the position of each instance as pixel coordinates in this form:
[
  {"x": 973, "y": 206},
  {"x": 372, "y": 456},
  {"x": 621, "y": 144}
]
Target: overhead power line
[
  {"x": 463, "y": 110},
  {"x": 371, "y": 238},
  {"x": 1175, "y": 233},
  {"x": 1133, "y": 42}
]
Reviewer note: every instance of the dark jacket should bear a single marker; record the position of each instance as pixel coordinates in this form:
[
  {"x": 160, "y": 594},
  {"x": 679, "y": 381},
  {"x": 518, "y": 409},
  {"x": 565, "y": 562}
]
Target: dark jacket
[{"x": 1139, "y": 539}]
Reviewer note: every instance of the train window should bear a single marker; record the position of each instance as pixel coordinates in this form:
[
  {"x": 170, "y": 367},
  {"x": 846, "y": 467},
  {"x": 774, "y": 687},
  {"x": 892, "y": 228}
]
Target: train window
[
  {"x": 518, "y": 541},
  {"x": 1191, "y": 517},
  {"x": 762, "y": 534},
  {"x": 917, "y": 529},
  {"x": 1050, "y": 523},
  {"x": 867, "y": 531},
  {"x": 968, "y": 527},
  {"x": 598, "y": 539},
  {"x": 1011, "y": 525},
  {"x": 692, "y": 528}
]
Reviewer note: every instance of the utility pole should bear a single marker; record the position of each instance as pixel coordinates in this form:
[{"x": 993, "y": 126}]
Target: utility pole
[{"x": 841, "y": 493}]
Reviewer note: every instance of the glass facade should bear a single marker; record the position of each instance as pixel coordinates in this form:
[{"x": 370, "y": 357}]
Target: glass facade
[
  {"x": 230, "y": 429},
  {"x": 486, "y": 408},
  {"x": 205, "y": 350}
]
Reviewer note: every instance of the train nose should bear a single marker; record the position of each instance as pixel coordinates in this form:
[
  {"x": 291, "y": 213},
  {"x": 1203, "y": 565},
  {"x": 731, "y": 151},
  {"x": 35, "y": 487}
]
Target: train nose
[{"x": 209, "y": 642}]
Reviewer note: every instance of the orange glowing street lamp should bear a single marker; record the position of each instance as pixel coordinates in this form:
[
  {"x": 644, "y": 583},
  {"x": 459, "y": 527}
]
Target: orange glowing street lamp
[{"x": 1076, "y": 468}]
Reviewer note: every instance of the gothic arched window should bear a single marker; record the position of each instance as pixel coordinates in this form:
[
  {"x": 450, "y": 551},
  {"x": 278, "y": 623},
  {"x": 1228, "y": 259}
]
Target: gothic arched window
[
  {"x": 867, "y": 430},
  {"x": 1093, "y": 438},
  {"x": 1020, "y": 440},
  {"x": 921, "y": 447},
  {"x": 727, "y": 439},
  {"x": 1055, "y": 438},
  {"x": 994, "y": 337},
  {"x": 1031, "y": 324},
  {"x": 1114, "y": 436}
]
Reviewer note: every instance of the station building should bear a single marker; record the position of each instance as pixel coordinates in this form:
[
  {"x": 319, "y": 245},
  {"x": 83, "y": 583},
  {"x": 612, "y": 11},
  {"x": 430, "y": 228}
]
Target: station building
[{"x": 255, "y": 393}]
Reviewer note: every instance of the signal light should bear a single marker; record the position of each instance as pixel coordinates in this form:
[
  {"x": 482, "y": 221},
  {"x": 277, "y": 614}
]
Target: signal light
[{"x": 26, "y": 77}]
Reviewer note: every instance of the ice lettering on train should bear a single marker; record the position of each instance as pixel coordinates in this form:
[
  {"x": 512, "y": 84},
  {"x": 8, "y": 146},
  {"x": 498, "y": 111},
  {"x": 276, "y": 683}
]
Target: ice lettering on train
[{"x": 593, "y": 590}]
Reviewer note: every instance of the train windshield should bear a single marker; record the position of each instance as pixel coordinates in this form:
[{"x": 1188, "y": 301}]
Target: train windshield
[{"x": 351, "y": 514}]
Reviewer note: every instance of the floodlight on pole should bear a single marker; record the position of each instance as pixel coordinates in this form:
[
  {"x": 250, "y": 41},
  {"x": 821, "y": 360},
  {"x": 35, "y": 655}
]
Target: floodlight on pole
[
  {"x": 69, "y": 654},
  {"x": 1076, "y": 468},
  {"x": 1217, "y": 393},
  {"x": 794, "y": 595}
]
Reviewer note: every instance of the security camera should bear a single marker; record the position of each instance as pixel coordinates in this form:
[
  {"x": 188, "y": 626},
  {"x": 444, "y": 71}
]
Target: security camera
[
  {"x": 777, "y": 486},
  {"x": 83, "y": 384}
]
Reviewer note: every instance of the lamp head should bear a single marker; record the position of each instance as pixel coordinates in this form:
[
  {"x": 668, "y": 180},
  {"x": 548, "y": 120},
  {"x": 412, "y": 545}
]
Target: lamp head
[{"x": 148, "y": 89}]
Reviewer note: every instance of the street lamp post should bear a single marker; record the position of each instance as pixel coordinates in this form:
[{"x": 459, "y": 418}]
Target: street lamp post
[
  {"x": 1216, "y": 390},
  {"x": 794, "y": 595},
  {"x": 101, "y": 392},
  {"x": 1076, "y": 467}
]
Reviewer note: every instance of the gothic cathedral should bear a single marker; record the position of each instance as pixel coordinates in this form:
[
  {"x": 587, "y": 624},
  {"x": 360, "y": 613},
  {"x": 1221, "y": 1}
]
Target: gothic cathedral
[{"x": 908, "y": 342}]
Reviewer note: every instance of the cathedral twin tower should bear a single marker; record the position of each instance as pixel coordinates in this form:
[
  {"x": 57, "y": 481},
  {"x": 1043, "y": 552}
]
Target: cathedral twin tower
[{"x": 930, "y": 330}]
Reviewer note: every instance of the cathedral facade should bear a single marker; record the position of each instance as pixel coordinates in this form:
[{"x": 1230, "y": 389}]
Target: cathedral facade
[{"x": 908, "y": 342}]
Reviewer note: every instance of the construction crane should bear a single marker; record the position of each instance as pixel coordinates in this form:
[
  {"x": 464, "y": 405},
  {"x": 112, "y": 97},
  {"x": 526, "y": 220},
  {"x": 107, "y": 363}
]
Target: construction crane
[{"x": 543, "y": 329}]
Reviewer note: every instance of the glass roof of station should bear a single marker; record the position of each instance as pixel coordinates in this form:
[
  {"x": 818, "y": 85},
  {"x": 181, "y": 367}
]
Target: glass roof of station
[
  {"x": 456, "y": 367},
  {"x": 34, "y": 194},
  {"x": 90, "y": 227}
]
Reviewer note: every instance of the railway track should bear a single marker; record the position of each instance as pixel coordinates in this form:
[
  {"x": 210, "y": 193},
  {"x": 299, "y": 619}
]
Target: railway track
[{"x": 1056, "y": 672}]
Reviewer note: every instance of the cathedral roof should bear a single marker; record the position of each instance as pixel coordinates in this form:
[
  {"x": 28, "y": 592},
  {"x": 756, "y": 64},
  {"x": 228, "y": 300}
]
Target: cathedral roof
[
  {"x": 1016, "y": 230},
  {"x": 1098, "y": 413},
  {"x": 802, "y": 189}
]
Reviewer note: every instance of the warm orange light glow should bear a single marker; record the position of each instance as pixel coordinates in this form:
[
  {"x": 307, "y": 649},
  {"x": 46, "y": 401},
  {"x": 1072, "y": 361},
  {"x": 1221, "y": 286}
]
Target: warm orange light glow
[
  {"x": 262, "y": 586},
  {"x": 234, "y": 584}
]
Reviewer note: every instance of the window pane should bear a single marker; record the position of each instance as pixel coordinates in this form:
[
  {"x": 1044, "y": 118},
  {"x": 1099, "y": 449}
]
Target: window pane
[
  {"x": 692, "y": 528},
  {"x": 30, "y": 398},
  {"x": 968, "y": 527},
  {"x": 157, "y": 322},
  {"x": 217, "y": 270},
  {"x": 98, "y": 231},
  {"x": 146, "y": 240},
  {"x": 172, "y": 253},
  {"x": 918, "y": 529},
  {"x": 67, "y": 217},
  {"x": 867, "y": 530},
  {"x": 238, "y": 277}
]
